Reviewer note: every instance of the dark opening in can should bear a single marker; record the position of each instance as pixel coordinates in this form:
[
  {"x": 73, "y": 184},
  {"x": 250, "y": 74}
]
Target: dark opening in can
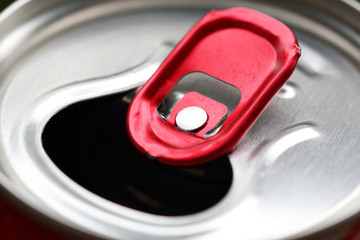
[{"x": 89, "y": 142}]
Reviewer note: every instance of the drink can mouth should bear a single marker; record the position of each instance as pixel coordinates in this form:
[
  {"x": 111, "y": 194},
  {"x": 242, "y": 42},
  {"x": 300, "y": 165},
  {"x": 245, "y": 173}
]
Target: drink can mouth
[{"x": 70, "y": 69}]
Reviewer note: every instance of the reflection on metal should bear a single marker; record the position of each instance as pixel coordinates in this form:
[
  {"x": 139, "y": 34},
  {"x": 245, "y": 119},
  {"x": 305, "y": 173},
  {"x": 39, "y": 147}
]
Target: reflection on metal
[
  {"x": 91, "y": 88},
  {"x": 312, "y": 63},
  {"x": 288, "y": 91},
  {"x": 271, "y": 149}
]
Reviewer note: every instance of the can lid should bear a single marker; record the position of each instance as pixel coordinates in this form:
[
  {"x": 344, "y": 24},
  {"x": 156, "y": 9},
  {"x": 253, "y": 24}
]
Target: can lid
[
  {"x": 296, "y": 166},
  {"x": 228, "y": 55}
]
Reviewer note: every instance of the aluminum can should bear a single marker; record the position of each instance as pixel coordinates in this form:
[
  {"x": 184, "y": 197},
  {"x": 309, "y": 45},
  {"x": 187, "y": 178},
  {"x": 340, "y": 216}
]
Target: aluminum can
[{"x": 68, "y": 71}]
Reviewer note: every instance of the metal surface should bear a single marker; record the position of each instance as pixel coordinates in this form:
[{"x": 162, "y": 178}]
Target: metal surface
[{"x": 296, "y": 172}]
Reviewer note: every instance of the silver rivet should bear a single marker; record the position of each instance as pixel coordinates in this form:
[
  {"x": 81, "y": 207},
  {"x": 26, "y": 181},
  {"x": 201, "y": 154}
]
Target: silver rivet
[{"x": 191, "y": 118}]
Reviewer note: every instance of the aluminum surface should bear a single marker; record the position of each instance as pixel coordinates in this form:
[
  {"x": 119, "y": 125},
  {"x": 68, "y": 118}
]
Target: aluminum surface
[{"x": 296, "y": 172}]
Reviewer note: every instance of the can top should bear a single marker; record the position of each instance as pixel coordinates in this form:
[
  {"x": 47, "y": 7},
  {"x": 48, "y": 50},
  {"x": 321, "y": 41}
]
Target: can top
[{"x": 295, "y": 173}]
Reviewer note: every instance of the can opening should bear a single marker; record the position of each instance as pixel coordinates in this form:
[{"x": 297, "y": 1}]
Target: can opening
[{"x": 88, "y": 141}]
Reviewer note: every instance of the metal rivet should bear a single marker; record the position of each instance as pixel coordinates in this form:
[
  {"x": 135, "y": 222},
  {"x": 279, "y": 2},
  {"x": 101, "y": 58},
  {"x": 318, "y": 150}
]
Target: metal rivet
[{"x": 191, "y": 118}]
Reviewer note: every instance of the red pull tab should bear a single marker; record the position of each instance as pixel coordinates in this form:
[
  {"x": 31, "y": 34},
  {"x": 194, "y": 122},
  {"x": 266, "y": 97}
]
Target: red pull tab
[{"x": 229, "y": 66}]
